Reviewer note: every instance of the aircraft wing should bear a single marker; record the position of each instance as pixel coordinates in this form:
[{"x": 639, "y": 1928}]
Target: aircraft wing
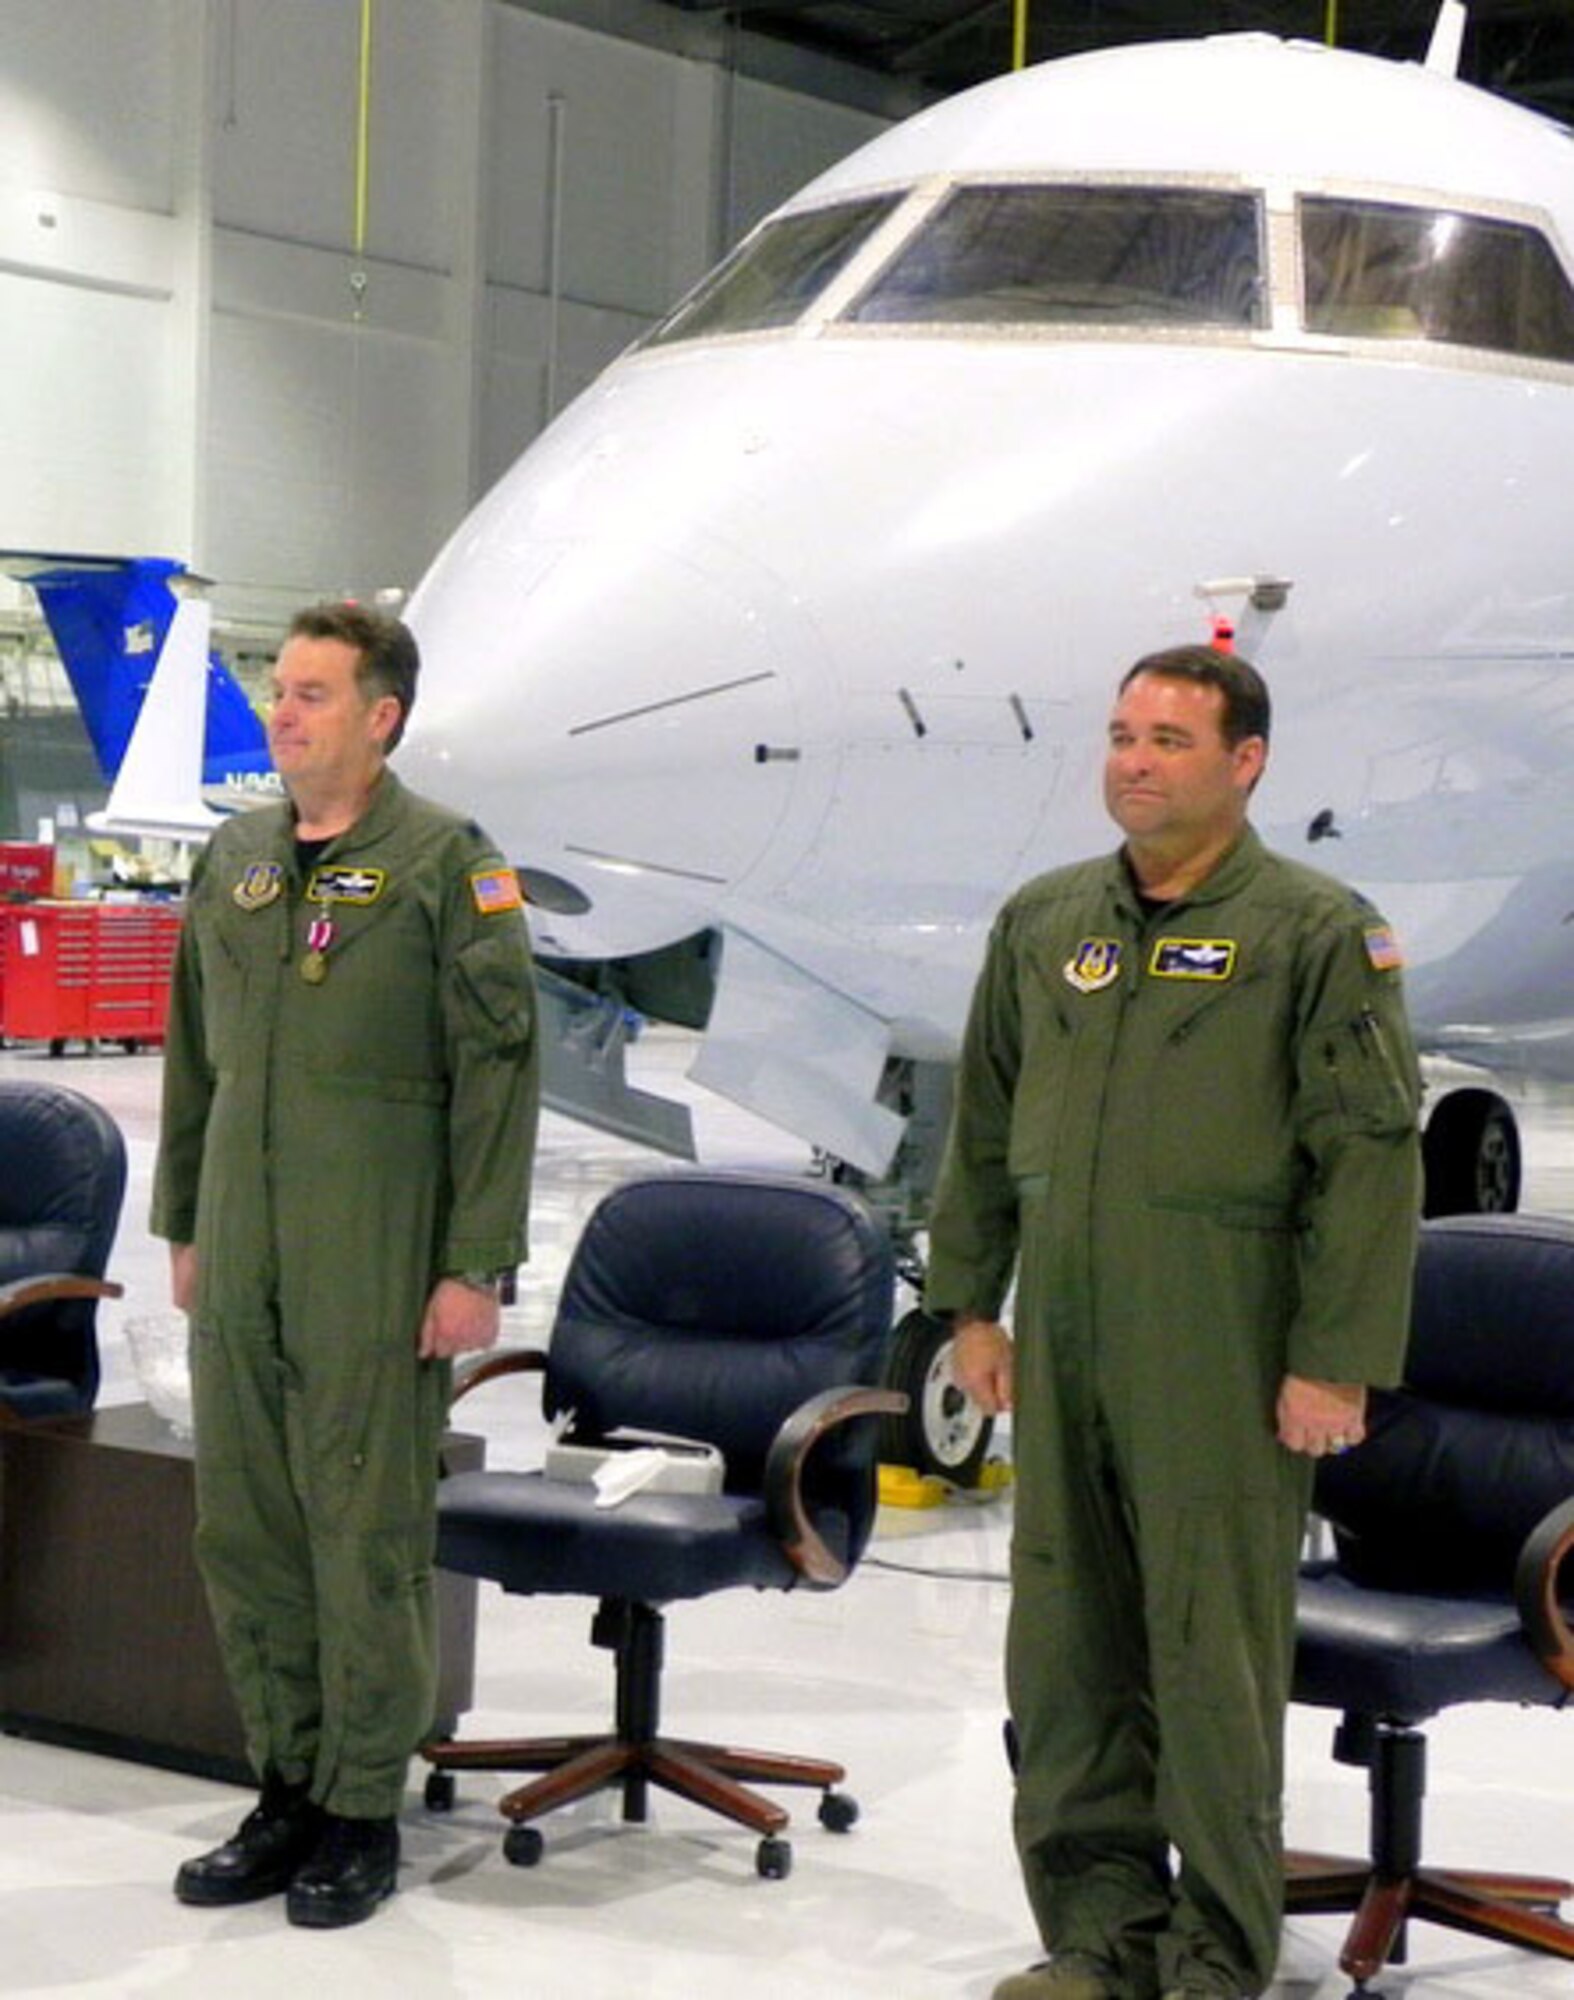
[{"x": 797, "y": 1052}]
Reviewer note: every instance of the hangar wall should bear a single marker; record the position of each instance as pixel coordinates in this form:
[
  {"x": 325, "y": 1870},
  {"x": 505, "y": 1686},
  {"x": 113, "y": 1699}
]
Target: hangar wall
[{"x": 196, "y": 359}]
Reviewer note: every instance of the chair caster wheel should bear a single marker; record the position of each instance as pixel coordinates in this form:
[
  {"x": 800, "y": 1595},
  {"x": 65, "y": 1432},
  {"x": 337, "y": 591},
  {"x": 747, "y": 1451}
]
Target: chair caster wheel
[
  {"x": 838, "y": 1813},
  {"x": 523, "y": 1846},
  {"x": 441, "y": 1791},
  {"x": 773, "y": 1858}
]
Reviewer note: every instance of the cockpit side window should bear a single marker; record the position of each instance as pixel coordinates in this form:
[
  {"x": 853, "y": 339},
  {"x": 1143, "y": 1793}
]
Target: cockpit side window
[
  {"x": 773, "y": 275},
  {"x": 1122, "y": 256},
  {"x": 1379, "y": 271}
]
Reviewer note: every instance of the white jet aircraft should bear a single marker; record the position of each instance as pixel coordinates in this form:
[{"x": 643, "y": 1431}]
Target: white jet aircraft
[{"x": 788, "y": 650}]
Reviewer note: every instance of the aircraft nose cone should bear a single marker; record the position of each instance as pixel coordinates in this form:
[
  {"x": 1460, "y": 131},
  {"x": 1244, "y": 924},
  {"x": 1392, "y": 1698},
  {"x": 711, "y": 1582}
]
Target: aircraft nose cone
[{"x": 620, "y": 719}]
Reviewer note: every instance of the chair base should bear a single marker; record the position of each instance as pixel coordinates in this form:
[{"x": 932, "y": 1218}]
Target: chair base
[
  {"x": 635, "y": 1756},
  {"x": 1512, "y": 1909},
  {"x": 709, "y": 1774}
]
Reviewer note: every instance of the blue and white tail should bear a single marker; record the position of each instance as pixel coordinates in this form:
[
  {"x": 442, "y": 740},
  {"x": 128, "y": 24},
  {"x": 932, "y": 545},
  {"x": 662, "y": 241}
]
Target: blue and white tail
[{"x": 134, "y": 651}]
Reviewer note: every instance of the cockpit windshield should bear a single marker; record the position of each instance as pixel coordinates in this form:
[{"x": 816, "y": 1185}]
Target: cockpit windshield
[
  {"x": 1376, "y": 271},
  {"x": 772, "y": 276},
  {"x": 1004, "y": 255},
  {"x": 1110, "y": 256}
]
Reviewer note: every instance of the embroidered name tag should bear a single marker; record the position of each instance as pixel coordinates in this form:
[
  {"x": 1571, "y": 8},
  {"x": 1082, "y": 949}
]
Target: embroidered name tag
[
  {"x": 1192, "y": 958},
  {"x": 346, "y": 885},
  {"x": 1094, "y": 964}
]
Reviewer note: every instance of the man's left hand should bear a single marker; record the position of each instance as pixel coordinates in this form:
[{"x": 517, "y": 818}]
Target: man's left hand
[
  {"x": 459, "y": 1320},
  {"x": 1320, "y": 1418}
]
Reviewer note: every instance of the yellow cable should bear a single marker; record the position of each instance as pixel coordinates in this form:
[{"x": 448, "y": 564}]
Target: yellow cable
[
  {"x": 1331, "y": 24},
  {"x": 362, "y": 127},
  {"x": 1019, "y": 34}
]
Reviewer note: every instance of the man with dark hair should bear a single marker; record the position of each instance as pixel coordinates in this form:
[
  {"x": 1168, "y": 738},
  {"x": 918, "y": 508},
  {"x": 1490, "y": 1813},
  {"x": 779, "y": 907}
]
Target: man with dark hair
[
  {"x": 1186, "y": 1123},
  {"x": 1245, "y": 708},
  {"x": 350, "y": 1093},
  {"x": 387, "y": 660}
]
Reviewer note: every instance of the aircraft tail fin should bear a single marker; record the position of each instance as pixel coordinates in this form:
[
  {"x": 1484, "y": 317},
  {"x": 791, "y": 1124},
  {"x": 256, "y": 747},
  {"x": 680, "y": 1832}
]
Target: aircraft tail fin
[
  {"x": 110, "y": 618},
  {"x": 157, "y": 789},
  {"x": 1448, "y": 38}
]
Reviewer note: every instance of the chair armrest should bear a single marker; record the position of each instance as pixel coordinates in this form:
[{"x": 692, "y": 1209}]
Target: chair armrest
[
  {"x": 789, "y": 1453},
  {"x": 49, "y": 1285},
  {"x": 1536, "y": 1591},
  {"x": 487, "y": 1368},
  {"x": 43, "y": 1289}
]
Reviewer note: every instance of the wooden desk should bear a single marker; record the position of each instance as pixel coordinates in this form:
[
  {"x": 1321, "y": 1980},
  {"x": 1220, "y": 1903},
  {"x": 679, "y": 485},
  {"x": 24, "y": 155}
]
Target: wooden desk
[{"x": 105, "y": 1639}]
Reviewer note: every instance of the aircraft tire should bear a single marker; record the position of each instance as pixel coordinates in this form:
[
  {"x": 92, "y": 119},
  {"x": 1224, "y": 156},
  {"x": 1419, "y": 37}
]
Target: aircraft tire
[
  {"x": 943, "y": 1431},
  {"x": 1470, "y": 1153}
]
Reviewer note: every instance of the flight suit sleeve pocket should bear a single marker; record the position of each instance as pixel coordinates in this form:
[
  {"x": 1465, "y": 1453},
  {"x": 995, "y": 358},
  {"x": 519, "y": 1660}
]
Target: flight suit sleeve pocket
[
  {"x": 1359, "y": 1083},
  {"x": 492, "y": 995}
]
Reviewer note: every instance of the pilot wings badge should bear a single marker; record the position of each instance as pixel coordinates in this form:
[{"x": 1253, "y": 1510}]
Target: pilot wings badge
[
  {"x": 1094, "y": 964},
  {"x": 1193, "y": 958}
]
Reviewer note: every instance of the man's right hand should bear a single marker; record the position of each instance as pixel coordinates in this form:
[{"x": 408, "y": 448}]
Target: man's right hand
[
  {"x": 981, "y": 1361},
  {"x": 183, "y": 1276}
]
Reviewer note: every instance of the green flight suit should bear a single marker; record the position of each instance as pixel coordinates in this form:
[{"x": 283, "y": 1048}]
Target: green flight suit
[
  {"x": 1191, "y": 1132},
  {"x": 333, "y": 1149}
]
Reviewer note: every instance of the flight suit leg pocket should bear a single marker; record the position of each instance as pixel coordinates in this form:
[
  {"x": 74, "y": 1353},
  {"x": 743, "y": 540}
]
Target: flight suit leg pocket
[{"x": 1199, "y": 1618}]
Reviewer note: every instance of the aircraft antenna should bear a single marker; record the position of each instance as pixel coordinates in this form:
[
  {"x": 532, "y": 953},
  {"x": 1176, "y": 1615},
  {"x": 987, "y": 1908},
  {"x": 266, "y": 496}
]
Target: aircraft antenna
[{"x": 1448, "y": 38}]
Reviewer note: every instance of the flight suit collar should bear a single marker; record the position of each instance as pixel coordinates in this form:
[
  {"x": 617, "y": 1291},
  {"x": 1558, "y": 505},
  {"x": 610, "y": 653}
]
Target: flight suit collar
[
  {"x": 383, "y": 810},
  {"x": 1233, "y": 870}
]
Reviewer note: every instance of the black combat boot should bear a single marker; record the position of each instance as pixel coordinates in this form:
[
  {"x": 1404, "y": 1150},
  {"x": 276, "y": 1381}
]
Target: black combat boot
[
  {"x": 261, "y": 1856},
  {"x": 351, "y": 1870}
]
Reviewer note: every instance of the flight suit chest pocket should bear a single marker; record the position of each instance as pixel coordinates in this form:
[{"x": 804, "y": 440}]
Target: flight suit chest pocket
[
  {"x": 374, "y": 1011},
  {"x": 1041, "y": 1100},
  {"x": 236, "y": 945},
  {"x": 1220, "y": 1087}
]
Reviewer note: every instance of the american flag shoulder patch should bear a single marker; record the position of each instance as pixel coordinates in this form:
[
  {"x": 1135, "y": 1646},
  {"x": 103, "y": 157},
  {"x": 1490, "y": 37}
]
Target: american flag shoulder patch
[
  {"x": 1382, "y": 948},
  {"x": 496, "y": 890}
]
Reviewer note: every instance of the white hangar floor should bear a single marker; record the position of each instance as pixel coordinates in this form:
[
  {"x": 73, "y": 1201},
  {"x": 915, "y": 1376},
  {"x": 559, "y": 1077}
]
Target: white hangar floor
[{"x": 897, "y": 1676}]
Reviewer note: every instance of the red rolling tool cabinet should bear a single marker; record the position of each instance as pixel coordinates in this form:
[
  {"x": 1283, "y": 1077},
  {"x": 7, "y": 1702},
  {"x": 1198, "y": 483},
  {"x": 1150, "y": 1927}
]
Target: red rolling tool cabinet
[{"x": 91, "y": 972}]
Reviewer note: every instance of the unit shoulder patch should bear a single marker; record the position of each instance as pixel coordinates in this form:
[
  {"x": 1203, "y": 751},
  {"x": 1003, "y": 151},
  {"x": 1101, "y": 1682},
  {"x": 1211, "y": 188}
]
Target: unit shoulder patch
[
  {"x": 261, "y": 884},
  {"x": 1192, "y": 958},
  {"x": 1094, "y": 964}
]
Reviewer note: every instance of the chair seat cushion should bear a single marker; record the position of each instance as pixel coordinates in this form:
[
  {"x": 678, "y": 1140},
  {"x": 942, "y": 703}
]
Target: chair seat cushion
[
  {"x": 34, "y": 1396},
  {"x": 533, "y": 1534},
  {"x": 1406, "y": 1656}
]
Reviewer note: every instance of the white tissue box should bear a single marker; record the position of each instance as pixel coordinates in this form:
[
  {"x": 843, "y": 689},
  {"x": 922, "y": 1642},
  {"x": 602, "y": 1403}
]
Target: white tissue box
[{"x": 653, "y": 1463}]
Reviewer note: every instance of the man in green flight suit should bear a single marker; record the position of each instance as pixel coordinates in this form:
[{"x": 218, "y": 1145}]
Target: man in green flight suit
[
  {"x": 350, "y": 1098},
  {"x": 1186, "y": 1120}
]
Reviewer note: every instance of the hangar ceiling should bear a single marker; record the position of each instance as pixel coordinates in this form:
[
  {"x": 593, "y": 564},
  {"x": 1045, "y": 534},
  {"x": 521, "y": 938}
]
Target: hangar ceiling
[{"x": 1522, "y": 49}]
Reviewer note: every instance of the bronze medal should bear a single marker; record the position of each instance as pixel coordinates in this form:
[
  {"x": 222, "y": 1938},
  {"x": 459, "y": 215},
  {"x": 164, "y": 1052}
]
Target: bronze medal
[{"x": 314, "y": 964}]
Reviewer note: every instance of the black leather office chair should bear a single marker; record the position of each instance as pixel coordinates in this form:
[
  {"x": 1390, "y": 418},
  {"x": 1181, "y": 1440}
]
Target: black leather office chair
[
  {"x": 744, "y": 1312},
  {"x": 62, "y": 1180},
  {"x": 1451, "y": 1524}
]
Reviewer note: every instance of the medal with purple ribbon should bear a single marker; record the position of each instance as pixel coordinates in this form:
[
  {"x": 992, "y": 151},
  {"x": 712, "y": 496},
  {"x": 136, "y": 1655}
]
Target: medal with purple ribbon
[{"x": 319, "y": 936}]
